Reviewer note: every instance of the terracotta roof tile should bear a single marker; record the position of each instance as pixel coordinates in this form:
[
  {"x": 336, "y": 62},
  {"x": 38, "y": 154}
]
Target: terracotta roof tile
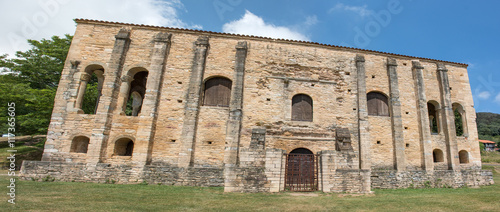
[
  {"x": 78, "y": 20},
  {"x": 487, "y": 142}
]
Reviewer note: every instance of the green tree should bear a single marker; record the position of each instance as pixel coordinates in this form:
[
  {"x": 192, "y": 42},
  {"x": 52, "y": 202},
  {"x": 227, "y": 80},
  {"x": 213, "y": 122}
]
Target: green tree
[
  {"x": 488, "y": 126},
  {"x": 91, "y": 95},
  {"x": 30, "y": 81},
  {"x": 459, "y": 128}
]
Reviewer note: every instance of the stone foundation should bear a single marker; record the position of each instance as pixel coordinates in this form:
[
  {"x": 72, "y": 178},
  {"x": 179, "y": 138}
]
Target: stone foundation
[
  {"x": 269, "y": 177},
  {"x": 439, "y": 178},
  {"x": 122, "y": 174}
]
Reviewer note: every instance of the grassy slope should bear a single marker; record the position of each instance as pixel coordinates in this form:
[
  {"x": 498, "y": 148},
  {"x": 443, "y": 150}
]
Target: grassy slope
[
  {"x": 66, "y": 196},
  {"x": 490, "y": 157},
  {"x": 27, "y": 149}
]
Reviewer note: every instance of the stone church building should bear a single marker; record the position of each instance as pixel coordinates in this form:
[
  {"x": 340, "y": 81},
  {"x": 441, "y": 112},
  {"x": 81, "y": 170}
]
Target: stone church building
[{"x": 253, "y": 114}]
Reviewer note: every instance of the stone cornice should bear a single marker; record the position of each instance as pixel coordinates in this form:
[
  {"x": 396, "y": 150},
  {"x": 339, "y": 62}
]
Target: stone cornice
[{"x": 259, "y": 38}]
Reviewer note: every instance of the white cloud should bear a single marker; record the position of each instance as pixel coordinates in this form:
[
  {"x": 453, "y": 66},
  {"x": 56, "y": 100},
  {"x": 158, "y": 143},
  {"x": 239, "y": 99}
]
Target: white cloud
[
  {"x": 497, "y": 98},
  {"x": 251, "y": 24},
  {"x": 27, "y": 19},
  {"x": 311, "y": 20},
  {"x": 484, "y": 95},
  {"x": 360, "y": 10},
  {"x": 470, "y": 65}
]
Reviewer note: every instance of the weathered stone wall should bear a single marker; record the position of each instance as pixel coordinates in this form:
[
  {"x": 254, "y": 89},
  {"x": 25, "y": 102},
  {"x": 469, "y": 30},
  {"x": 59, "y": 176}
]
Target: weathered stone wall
[
  {"x": 338, "y": 173},
  {"x": 423, "y": 179},
  {"x": 175, "y": 134},
  {"x": 274, "y": 73},
  {"x": 164, "y": 174},
  {"x": 259, "y": 169}
]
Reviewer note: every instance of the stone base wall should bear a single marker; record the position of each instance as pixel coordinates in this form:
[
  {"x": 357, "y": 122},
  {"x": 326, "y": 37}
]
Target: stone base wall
[
  {"x": 267, "y": 178},
  {"x": 191, "y": 176},
  {"x": 350, "y": 181},
  {"x": 439, "y": 178},
  {"x": 337, "y": 173},
  {"x": 122, "y": 174},
  {"x": 261, "y": 171}
]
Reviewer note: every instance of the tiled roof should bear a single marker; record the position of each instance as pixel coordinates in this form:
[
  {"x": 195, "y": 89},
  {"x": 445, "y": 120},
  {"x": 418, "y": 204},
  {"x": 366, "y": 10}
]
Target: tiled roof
[
  {"x": 487, "y": 142},
  {"x": 90, "y": 21}
]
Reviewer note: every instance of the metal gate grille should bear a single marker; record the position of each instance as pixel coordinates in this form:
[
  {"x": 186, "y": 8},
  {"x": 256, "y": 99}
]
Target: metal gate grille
[{"x": 301, "y": 172}]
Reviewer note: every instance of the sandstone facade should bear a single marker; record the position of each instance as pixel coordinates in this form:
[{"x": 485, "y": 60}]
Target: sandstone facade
[{"x": 372, "y": 119}]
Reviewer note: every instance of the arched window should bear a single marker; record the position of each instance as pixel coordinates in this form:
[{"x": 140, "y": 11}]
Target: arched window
[
  {"x": 438, "y": 156},
  {"x": 124, "y": 147},
  {"x": 463, "y": 156},
  {"x": 134, "y": 104},
  {"x": 301, "y": 151},
  {"x": 377, "y": 104},
  {"x": 302, "y": 108},
  {"x": 460, "y": 122},
  {"x": 80, "y": 144},
  {"x": 91, "y": 83},
  {"x": 217, "y": 92},
  {"x": 433, "y": 116},
  {"x": 136, "y": 93}
]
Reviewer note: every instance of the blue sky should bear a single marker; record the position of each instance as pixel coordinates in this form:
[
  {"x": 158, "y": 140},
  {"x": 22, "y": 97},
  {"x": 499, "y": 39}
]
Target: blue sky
[{"x": 460, "y": 31}]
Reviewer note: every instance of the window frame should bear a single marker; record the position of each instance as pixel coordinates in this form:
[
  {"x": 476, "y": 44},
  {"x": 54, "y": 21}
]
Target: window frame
[
  {"x": 217, "y": 94},
  {"x": 380, "y": 107},
  {"x": 302, "y": 108}
]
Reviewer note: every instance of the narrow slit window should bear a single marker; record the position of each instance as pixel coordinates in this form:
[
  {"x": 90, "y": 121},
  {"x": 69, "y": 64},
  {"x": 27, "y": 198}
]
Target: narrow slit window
[
  {"x": 80, "y": 144},
  {"x": 302, "y": 108},
  {"x": 124, "y": 147},
  {"x": 377, "y": 104},
  {"x": 433, "y": 118},
  {"x": 217, "y": 92}
]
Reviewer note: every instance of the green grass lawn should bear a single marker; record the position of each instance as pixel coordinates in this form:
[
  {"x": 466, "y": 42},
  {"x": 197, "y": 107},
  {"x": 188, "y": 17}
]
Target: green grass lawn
[
  {"x": 490, "y": 157},
  {"x": 72, "y": 196},
  {"x": 27, "y": 149}
]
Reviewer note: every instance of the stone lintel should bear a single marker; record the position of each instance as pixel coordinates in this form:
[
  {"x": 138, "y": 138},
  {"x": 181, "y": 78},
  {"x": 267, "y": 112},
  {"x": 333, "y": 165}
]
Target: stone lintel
[
  {"x": 360, "y": 58},
  {"x": 416, "y": 64},
  {"x": 242, "y": 45},
  {"x": 441, "y": 67},
  {"x": 74, "y": 63},
  {"x": 123, "y": 34},
  {"x": 162, "y": 37},
  {"x": 391, "y": 62},
  {"x": 202, "y": 41}
]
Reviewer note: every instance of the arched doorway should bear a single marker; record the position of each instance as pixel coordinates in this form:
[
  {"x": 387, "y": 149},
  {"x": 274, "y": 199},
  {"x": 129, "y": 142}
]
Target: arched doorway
[{"x": 301, "y": 170}]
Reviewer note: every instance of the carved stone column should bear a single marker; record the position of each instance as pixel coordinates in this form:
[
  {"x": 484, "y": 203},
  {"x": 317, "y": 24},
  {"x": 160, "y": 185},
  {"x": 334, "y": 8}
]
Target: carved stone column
[
  {"x": 397, "y": 122},
  {"x": 107, "y": 102},
  {"x": 100, "y": 83},
  {"x": 423, "y": 117},
  {"x": 233, "y": 128},
  {"x": 448, "y": 118},
  {"x": 84, "y": 79},
  {"x": 149, "y": 112},
  {"x": 363, "y": 124},
  {"x": 123, "y": 95},
  {"x": 235, "y": 113},
  {"x": 193, "y": 101}
]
